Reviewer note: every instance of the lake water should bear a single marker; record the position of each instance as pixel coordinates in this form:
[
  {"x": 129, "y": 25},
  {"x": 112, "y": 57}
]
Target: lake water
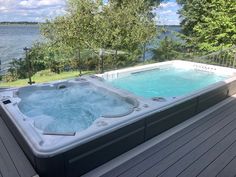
[{"x": 13, "y": 38}]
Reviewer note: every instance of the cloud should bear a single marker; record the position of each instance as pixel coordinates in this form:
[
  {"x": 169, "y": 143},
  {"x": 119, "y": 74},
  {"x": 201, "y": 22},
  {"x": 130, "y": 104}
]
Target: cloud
[
  {"x": 3, "y": 9},
  {"x": 5, "y": 5},
  {"x": 167, "y": 4},
  {"x": 40, "y": 10},
  {"x": 31, "y": 10},
  {"x": 167, "y": 13},
  {"x": 40, "y": 3},
  {"x": 6, "y": 2}
]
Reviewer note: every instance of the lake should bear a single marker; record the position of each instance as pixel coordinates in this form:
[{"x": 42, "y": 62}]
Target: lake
[{"x": 13, "y": 38}]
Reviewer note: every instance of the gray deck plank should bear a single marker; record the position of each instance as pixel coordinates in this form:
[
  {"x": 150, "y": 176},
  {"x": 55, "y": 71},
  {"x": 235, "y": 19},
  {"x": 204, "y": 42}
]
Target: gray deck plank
[
  {"x": 212, "y": 135},
  {"x": 7, "y": 167},
  {"x": 205, "y": 153},
  {"x": 197, "y": 167},
  {"x": 220, "y": 162},
  {"x": 17, "y": 156},
  {"x": 195, "y": 137},
  {"x": 229, "y": 170},
  {"x": 211, "y": 118}
]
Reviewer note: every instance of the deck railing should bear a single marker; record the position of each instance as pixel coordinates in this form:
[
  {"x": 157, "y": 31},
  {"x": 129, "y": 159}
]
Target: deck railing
[{"x": 226, "y": 57}]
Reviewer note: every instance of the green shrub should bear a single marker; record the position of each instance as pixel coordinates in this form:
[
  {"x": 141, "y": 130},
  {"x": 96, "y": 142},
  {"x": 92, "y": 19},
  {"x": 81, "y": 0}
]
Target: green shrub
[{"x": 10, "y": 77}]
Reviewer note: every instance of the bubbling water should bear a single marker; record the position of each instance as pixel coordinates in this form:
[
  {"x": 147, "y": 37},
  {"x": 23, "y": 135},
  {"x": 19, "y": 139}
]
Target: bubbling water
[{"x": 68, "y": 109}]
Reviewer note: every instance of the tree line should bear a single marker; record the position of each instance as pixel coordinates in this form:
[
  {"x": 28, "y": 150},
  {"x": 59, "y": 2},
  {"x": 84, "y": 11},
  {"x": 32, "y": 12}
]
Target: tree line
[
  {"x": 208, "y": 25},
  {"x": 93, "y": 35}
]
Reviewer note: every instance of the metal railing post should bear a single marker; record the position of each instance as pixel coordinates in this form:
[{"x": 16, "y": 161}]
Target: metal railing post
[
  {"x": 29, "y": 66},
  {"x": 234, "y": 60}
]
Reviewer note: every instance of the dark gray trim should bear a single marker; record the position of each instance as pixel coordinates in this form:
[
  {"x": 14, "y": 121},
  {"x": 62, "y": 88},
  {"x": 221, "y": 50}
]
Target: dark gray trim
[
  {"x": 60, "y": 133},
  {"x": 211, "y": 98},
  {"x": 232, "y": 88},
  {"x": 164, "y": 120}
]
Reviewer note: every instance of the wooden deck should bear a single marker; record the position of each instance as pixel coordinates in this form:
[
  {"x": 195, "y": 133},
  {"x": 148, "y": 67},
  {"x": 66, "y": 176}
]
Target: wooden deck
[
  {"x": 13, "y": 162},
  {"x": 205, "y": 148}
]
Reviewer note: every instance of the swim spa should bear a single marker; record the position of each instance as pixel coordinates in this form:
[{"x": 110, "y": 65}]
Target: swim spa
[
  {"x": 166, "y": 81},
  {"x": 67, "y": 128}
]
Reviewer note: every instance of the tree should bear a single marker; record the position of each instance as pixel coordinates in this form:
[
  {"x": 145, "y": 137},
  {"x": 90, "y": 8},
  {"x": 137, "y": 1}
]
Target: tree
[
  {"x": 73, "y": 30},
  {"x": 151, "y": 3},
  {"x": 134, "y": 31},
  {"x": 93, "y": 25},
  {"x": 208, "y": 25},
  {"x": 167, "y": 49}
]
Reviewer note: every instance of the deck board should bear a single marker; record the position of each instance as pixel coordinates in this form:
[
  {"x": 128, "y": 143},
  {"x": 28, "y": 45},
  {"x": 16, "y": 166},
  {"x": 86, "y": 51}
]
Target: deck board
[
  {"x": 7, "y": 167},
  {"x": 204, "y": 138},
  {"x": 204, "y": 154},
  {"x": 222, "y": 160},
  {"x": 14, "y": 162},
  {"x": 229, "y": 170},
  {"x": 206, "y": 148}
]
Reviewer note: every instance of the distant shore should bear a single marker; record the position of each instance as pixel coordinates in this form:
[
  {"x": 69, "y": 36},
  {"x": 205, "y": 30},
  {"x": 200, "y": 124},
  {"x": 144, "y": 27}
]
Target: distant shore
[
  {"x": 37, "y": 23},
  {"x": 19, "y": 23}
]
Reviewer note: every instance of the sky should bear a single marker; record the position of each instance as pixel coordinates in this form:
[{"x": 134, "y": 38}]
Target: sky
[
  {"x": 167, "y": 13},
  {"x": 40, "y": 10}
]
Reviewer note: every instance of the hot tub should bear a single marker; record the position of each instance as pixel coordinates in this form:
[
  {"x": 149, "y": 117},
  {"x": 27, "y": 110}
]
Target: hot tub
[{"x": 67, "y": 128}]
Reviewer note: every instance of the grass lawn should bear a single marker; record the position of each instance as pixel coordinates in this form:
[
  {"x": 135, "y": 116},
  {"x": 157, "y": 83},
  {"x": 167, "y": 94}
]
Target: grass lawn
[
  {"x": 41, "y": 79},
  {"x": 47, "y": 76}
]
